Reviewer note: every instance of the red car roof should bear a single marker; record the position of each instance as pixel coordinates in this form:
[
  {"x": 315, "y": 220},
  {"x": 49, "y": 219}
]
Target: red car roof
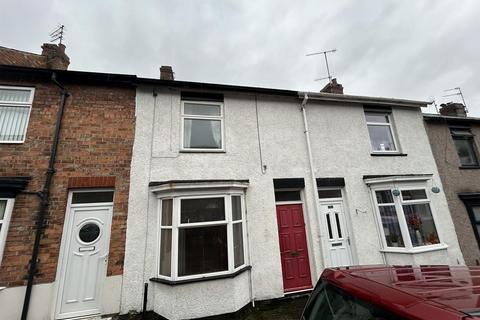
[{"x": 416, "y": 292}]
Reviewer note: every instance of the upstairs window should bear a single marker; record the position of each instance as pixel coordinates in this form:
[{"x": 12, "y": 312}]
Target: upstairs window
[
  {"x": 202, "y": 126},
  {"x": 15, "y": 105},
  {"x": 380, "y": 130},
  {"x": 465, "y": 145}
]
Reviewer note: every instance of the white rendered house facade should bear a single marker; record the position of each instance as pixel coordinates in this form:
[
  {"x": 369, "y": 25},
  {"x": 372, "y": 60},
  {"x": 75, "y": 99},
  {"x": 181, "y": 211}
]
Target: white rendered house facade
[{"x": 243, "y": 194}]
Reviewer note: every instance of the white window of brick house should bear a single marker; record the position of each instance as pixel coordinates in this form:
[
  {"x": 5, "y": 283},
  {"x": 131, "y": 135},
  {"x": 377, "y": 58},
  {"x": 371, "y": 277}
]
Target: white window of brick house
[
  {"x": 201, "y": 235},
  {"x": 15, "y": 106},
  {"x": 6, "y": 207},
  {"x": 380, "y": 129},
  {"x": 406, "y": 218},
  {"x": 202, "y": 126}
]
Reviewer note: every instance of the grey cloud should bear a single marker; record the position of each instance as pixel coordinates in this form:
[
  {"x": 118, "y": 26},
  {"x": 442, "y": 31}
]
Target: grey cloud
[{"x": 406, "y": 49}]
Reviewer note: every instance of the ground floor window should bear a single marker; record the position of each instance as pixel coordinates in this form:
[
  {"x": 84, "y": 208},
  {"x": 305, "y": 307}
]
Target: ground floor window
[
  {"x": 472, "y": 203},
  {"x": 201, "y": 235},
  {"x": 406, "y": 217},
  {"x": 6, "y": 206}
]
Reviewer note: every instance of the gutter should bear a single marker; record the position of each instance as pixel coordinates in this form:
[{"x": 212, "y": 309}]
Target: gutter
[
  {"x": 44, "y": 197},
  {"x": 320, "y": 96},
  {"x": 313, "y": 179}
]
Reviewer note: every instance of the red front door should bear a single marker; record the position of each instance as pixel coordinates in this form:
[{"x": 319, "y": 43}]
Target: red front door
[{"x": 293, "y": 248}]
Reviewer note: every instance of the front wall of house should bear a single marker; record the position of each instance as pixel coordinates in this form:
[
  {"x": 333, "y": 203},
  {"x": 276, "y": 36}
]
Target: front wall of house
[
  {"x": 341, "y": 148},
  {"x": 455, "y": 181},
  {"x": 95, "y": 141}
]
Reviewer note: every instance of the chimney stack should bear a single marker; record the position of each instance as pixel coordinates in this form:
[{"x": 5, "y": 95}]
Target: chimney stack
[
  {"x": 333, "y": 87},
  {"x": 166, "y": 73},
  {"x": 453, "y": 109},
  {"x": 55, "y": 56}
]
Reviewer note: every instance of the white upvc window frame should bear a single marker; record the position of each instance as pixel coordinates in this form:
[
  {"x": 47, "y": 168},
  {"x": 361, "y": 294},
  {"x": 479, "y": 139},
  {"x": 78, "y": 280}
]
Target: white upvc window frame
[
  {"x": 184, "y": 117},
  {"x": 177, "y": 225},
  {"x": 402, "y": 221},
  {"x": 5, "y": 222},
  {"x": 27, "y": 104},
  {"x": 389, "y": 125}
]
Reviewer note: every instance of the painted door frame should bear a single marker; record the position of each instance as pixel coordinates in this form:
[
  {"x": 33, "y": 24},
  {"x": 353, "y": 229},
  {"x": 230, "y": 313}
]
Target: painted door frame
[
  {"x": 348, "y": 223},
  {"x": 63, "y": 255},
  {"x": 308, "y": 235}
]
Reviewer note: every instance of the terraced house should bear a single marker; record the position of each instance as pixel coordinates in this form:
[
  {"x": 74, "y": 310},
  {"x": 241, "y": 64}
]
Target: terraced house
[
  {"x": 245, "y": 193},
  {"x": 455, "y": 144},
  {"x": 65, "y": 148},
  {"x": 234, "y": 194}
]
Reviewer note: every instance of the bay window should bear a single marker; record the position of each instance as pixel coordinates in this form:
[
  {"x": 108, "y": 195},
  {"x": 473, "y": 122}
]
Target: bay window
[
  {"x": 406, "y": 218},
  {"x": 15, "y": 105},
  {"x": 201, "y": 235}
]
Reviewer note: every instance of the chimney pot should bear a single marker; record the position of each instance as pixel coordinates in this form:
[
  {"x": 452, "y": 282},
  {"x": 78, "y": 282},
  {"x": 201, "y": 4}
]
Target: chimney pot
[
  {"x": 166, "y": 73},
  {"x": 453, "y": 109},
  {"x": 55, "y": 56},
  {"x": 333, "y": 87}
]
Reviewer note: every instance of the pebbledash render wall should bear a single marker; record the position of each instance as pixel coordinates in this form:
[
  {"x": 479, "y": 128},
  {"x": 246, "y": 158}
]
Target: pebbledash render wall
[
  {"x": 341, "y": 148},
  {"x": 95, "y": 149},
  {"x": 456, "y": 180}
]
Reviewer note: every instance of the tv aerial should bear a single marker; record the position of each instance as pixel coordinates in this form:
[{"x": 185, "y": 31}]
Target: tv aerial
[
  {"x": 457, "y": 93},
  {"x": 326, "y": 62},
  {"x": 58, "y": 34}
]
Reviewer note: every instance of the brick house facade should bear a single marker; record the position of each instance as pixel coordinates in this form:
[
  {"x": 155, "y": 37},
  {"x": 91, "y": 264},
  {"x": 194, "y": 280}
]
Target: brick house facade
[
  {"x": 458, "y": 165},
  {"x": 94, "y": 151}
]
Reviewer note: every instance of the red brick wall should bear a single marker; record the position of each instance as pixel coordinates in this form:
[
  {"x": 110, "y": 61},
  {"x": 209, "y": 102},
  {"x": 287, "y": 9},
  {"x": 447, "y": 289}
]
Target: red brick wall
[{"x": 95, "y": 141}]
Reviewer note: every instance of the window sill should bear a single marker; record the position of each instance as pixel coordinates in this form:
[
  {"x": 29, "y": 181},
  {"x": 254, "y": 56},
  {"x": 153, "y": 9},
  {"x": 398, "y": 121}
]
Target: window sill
[
  {"x": 468, "y": 167},
  {"x": 207, "y": 278},
  {"x": 3, "y": 288},
  {"x": 390, "y": 154},
  {"x": 201, "y": 151},
  {"x": 434, "y": 247}
]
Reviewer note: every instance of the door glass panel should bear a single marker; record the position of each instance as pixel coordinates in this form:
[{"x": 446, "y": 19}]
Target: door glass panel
[
  {"x": 92, "y": 197},
  {"x": 202, "y": 250},
  {"x": 89, "y": 232},
  {"x": 167, "y": 212},
  {"x": 420, "y": 224},
  {"x": 329, "y": 225},
  {"x": 3, "y": 206},
  {"x": 331, "y": 193},
  {"x": 391, "y": 228},
  {"x": 287, "y": 195},
  {"x": 165, "y": 252},
  {"x": 338, "y": 225},
  {"x": 236, "y": 208},
  {"x": 202, "y": 210},
  {"x": 238, "y": 244}
]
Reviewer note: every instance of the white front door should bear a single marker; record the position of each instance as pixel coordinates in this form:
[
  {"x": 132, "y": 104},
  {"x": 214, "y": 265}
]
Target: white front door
[
  {"x": 336, "y": 234},
  {"x": 84, "y": 260}
]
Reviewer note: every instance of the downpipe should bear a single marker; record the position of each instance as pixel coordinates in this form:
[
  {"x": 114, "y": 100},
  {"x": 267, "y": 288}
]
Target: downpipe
[
  {"x": 313, "y": 179},
  {"x": 44, "y": 196}
]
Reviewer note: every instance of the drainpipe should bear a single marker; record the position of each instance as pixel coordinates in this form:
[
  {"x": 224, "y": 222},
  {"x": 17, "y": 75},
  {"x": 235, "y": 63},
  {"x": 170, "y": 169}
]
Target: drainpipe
[
  {"x": 44, "y": 198},
  {"x": 313, "y": 178}
]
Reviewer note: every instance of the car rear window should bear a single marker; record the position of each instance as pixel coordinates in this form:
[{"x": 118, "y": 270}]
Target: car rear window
[{"x": 331, "y": 303}]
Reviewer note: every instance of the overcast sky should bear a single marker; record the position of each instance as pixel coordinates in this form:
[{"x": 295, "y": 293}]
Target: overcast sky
[{"x": 411, "y": 49}]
